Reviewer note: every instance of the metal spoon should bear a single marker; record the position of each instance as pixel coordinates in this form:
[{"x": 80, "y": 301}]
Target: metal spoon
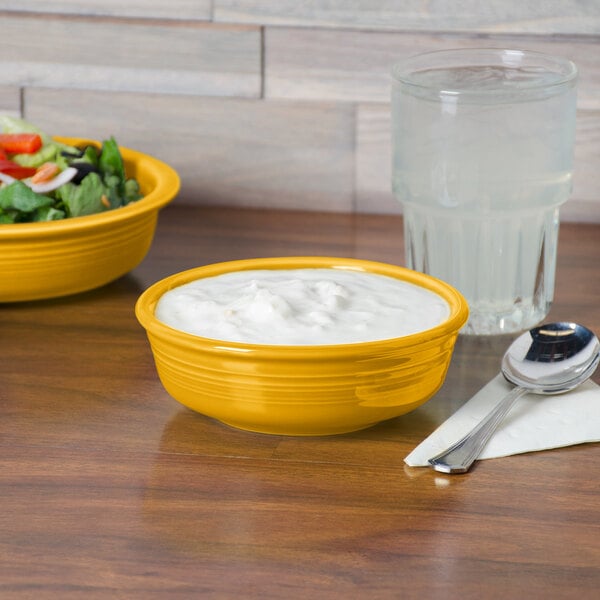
[{"x": 550, "y": 359}]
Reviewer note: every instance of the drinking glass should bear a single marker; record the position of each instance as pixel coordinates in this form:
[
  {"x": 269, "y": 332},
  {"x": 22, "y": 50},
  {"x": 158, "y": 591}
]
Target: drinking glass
[{"x": 482, "y": 160}]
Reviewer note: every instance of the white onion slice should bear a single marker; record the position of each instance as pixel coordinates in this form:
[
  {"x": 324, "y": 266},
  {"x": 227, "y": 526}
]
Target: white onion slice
[
  {"x": 7, "y": 179},
  {"x": 48, "y": 186}
]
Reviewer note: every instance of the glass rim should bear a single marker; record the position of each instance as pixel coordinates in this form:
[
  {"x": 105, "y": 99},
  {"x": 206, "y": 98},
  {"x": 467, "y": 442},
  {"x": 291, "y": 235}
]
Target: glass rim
[{"x": 403, "y": 71}]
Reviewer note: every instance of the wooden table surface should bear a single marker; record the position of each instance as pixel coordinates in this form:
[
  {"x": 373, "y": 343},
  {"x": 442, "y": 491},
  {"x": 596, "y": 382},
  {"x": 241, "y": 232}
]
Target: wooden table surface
[{"x": 111, "y": 489}]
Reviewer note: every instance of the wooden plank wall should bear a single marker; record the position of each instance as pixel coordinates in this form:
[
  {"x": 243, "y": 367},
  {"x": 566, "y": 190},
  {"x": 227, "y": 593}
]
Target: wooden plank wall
[{"x": 271, "y": 103}]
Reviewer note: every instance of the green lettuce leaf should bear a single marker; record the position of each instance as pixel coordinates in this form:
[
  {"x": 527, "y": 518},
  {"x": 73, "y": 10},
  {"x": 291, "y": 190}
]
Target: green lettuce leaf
[
  {"x": 17, "y": 196},
  {"x": 8, "y": 217},
  {"x": 48, "y": 213},
  {"x": 110, "y": 164},
  {"x": 132, "y": 191},
  {"x": 85, "y": 198}
]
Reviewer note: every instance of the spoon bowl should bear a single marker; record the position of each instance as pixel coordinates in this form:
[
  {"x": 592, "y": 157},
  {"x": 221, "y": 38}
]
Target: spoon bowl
[{"x": 550, "y": 359}]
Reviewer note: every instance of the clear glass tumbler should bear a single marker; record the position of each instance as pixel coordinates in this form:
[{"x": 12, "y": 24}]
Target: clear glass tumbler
[{"x": 482, "y": 160}]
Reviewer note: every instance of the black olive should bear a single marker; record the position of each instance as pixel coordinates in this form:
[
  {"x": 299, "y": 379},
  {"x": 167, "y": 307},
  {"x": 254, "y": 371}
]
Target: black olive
[
  {"x": 83, "y": 169},
  {"x": 76, "y": 153}
]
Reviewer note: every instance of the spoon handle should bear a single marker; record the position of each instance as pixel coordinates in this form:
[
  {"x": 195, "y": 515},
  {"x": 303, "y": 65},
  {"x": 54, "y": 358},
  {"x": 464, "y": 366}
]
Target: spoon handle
[{"x": 459, "y": 457}]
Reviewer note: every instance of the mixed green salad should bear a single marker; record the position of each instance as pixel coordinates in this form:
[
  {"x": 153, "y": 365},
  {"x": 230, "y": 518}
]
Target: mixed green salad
[{"x": 44, "y": 180}]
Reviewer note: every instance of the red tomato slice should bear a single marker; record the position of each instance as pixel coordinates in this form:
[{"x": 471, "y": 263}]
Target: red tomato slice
[
  {"x": 14, "y": 170},
  {"x": 20, "y": 143}
]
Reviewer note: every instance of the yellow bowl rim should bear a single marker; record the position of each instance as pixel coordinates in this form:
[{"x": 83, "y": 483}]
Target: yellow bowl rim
[
  {"x": 146, "y": 303},
  {"x": 167, "y": 187}
]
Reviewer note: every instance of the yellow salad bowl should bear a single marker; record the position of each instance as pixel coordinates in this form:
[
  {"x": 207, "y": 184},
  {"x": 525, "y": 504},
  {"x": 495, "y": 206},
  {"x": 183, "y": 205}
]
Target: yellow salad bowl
[
  {"x": 58, "y": 258},
  {"x": 302, "y": 390}
]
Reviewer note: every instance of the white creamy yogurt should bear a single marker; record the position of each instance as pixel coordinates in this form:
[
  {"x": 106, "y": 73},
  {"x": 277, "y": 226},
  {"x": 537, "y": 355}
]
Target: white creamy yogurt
[{"x": 301, "y": 307}]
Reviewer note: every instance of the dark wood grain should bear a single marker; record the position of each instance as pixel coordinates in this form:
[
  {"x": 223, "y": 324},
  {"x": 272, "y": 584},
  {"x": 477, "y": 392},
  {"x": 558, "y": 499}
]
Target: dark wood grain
[{"x": 110, "y": 489}]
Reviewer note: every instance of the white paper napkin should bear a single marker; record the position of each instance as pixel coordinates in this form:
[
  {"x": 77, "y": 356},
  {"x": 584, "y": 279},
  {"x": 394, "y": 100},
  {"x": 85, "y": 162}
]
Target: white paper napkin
[{"x": 534, "y": 422}]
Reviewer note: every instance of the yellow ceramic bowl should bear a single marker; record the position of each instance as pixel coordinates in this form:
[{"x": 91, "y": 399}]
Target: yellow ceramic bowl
[
  {"x": 57, "y": 258},
  {"x": 302, "y": 390}
]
